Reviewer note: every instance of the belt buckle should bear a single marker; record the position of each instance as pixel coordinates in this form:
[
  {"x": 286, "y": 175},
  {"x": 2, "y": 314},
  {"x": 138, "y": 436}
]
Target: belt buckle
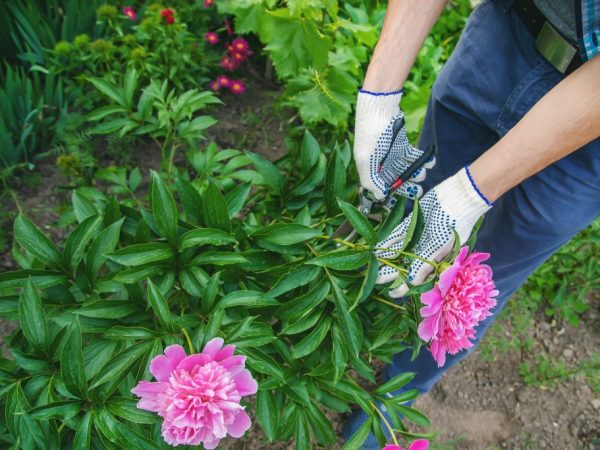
[{"x": 555, "y": 48}]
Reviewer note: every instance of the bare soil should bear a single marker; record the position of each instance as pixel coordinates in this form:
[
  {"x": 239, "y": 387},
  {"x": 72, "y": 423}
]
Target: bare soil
[{"x": 478, "y": 405}]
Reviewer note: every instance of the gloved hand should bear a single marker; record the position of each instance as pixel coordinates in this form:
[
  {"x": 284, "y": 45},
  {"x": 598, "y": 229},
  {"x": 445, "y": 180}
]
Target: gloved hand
[
  {"x": 381, "y": 149},
  {"x": 455, "y": 204}
]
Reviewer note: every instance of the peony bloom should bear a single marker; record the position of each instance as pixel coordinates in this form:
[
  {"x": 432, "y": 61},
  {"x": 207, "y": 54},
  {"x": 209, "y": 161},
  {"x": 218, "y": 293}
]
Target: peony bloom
[
  {"x": 198, "y": 396},
  {"x": 211, "y": 37},
  {"x": 237, "y": 87},
  {"x": 462, "y": 298},
  {"x": 224, "y": 81},
  {"x": 419, "y": 444},
  {"x": 208, "y": 3},
  {"x": 130, "y": 12}
]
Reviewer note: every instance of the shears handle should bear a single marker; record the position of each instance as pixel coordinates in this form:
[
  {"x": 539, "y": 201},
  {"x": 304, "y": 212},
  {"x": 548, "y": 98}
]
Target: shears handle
[{"x": 413, "y": 167}]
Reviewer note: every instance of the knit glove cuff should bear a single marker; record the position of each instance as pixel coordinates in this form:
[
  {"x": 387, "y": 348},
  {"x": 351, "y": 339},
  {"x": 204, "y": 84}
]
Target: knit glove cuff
[{"x": 377, "y": 106}]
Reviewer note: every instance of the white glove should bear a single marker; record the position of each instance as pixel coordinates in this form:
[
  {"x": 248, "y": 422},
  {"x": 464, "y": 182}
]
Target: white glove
[
  {"x": 455, "y": 204},
  {"x": 379, "y": 160}
]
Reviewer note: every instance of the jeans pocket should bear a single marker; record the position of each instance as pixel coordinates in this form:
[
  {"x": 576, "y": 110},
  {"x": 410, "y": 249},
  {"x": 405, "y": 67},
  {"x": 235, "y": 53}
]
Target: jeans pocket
[{"x": 530, "y": 89}]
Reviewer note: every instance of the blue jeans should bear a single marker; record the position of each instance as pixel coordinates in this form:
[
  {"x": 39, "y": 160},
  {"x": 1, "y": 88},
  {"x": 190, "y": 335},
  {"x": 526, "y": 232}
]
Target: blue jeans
[{"x": 492, "y": 79}]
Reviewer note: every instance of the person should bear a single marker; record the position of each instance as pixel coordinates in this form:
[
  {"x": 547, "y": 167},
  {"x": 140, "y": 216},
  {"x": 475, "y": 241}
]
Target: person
[{"x": 514, "y": 116}]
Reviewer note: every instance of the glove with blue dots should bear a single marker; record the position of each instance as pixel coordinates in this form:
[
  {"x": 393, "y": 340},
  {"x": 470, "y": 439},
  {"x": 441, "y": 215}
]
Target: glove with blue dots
[
  {"x": 455, "y": 204},
  {"x": 382, "y": 151}
]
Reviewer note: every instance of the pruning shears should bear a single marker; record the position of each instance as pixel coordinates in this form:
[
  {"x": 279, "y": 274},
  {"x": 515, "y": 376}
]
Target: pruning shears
[{"x": 366, "y": 202}]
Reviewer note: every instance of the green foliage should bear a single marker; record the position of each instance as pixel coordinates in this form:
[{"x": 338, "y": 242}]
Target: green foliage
[{"x": 205, "y": 256}]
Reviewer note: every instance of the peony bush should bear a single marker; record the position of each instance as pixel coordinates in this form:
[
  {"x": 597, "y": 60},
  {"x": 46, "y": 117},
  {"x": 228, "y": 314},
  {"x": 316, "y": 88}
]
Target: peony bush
[{"x": 233, "y": 257}]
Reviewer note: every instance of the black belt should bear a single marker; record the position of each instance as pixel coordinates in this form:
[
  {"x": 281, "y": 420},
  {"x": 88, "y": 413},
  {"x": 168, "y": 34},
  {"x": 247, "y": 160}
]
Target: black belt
[{"x": 557, "y": 50}]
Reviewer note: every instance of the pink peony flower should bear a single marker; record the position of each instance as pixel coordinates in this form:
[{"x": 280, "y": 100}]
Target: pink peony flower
[
  {"x": 198, "y": 396},
  {"x": 130, "y": 12},
  {"x": 419, "y": 444},
  {"x": 211, "y": 37},
  {"x": 462, "y": 298},
  {"x": 237, "y": 87}
]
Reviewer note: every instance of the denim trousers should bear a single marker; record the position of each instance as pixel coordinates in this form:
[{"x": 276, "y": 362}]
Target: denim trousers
[{"x": 493, "y": 78}]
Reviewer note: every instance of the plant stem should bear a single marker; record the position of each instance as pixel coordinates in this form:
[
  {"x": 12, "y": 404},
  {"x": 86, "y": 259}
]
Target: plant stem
[
  {"x": 427, "y": 261},
  {"x": 392, "y": 265},
  {"x": 383, "y": 300},
  {"x": 189, "y": 341}
]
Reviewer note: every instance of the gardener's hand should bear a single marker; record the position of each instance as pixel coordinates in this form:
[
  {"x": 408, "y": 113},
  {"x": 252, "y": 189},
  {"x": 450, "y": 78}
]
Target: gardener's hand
[
  {"x": 455, "y": 204},
  {"x": 381, "y": 149}
]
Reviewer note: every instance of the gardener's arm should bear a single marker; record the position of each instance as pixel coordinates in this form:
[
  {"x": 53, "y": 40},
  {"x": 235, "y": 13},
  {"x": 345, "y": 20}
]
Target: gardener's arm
[
  {"x": 378, "y": 117},
  {"x": 405, "y": 28},
  {"x": 564, "y": 120}
]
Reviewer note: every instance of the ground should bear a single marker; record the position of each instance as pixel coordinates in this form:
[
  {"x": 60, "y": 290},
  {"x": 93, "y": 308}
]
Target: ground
[{"x": 481, "y": 404}]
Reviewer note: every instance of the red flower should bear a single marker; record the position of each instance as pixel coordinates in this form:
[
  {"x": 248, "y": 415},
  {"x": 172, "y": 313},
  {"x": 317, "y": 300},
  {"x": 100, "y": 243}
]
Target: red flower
[
  {"x": 208, "y": 3},
  {"x": 228, "y": 27},
  {"x": 228, "y": 63},
  {"x": 130, "y": 12},
  {"x": 224, "y": 81},
  {"x": 240, "y": 45},
  {"x": 239, "y": 57},
  {"x": 229, "y": 48},
  {"x": 169, "y": 15},
  {"x": 211, "y": 37},
  {"x": 237, "y": 87},
  {"x": 214, "y": 86}
]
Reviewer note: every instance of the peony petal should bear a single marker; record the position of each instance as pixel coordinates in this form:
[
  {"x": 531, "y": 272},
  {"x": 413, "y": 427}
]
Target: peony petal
[
  {"x": 419, "y": 444},
  {"x": 209, "y": 445},
  {"x": 199, "y": 359},
  {"x": 245, "y": 384},
  {"x": 240, "y": 425},
  {"x": 149, "y": 394},
  {"x": 462, "y": 255},
  {"x": 213, "y": 347},
  {"x": 162, "y": 366},
  {"x": 224, "y": 353},
  {"x": 477, "y": 258},
  {"x": 428, "y": 328},
  {"x": 447, "y": 278},
  {"x": 433, "y": 300}
]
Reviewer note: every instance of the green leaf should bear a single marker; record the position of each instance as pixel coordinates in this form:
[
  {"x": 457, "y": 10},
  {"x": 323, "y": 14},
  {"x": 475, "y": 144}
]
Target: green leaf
[
  {"x": 205, "y": 236},
  {"x": 134, "y": 439},
  {"x": 33, "y": 318},
  {"x": 127, "y": 409},
  {"x": 270, "y": 173},
  {"x": 72, "y": 367},
  {"x": 335, "y": 182},
  {"x": 348, "y": 322},
  {"x": 164, "y": 209},
  {"x": 312, "y": 179},
  {"x": 321, "y": 425},
  {"x": 43, "y": 279},
  {"x": 309, "y": 152},
  {"x": 83, "y": 435},
  {"x": 160, "y": 307},
  {"x": 303, "y": 305},
  {"x": 301, "y": 433},
  {"x": 209, "y": 293},
  {"x": 236, "y": 198},
  {"x": 105, "y": 242},
  {"x": 56, "y": 410},
  {"x": 392, "y": 220},
  {"x": 360, "y": 223},
  {"x": 78, "y": 240},
  {"x": 219, "y": 258},
  {"x": 138, "y": 254},
  {"x": 412, "y": 226},
  {"x": 339, "y": 355},
  {"x": 35, "y": 242},
  {"x": 413, "y": 415},
  {"x": 121, "y": 333},
  {"x": 301, "y": 276},
  {"x": 249, "y": 299},
  {"x": 307, "y": 321},
  {"x": 369, "y": 281},
  {"x": 312, "y": 341},
  {"x": 216, "y": 214},
  {"x": 82, "y": 206},
  {"x": 191, "y": 199},
  {"x": 108, "y": 309},
  {"x": 268, "y": 413},
  {"x": 286, "y": 233},
  {"x": 118, "y": 366},
  {"x": 395, "y": 383},
  {"x": 343, "y": 259},
  {"x": 109, "y": 90}
]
